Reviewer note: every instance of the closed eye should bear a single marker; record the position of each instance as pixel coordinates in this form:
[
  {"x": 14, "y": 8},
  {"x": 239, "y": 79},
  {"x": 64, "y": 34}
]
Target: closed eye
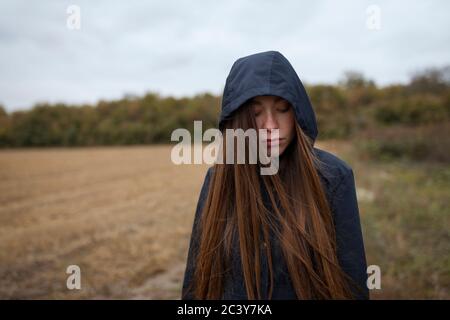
[
  {"x": 257, "y": 111},
  {"x": 285, "y": 109}
]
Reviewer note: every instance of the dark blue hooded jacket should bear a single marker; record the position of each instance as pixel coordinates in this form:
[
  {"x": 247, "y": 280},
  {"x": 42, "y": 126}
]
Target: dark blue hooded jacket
[{"x": 270, "y": 73}]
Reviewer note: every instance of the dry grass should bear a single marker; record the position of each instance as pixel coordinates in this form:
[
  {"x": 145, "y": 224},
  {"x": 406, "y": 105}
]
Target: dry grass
[{"x": 122, "y": 214}]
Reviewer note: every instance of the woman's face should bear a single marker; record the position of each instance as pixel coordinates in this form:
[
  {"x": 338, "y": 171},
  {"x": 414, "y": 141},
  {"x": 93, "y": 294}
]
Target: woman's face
[{"x": 273, "y": 112}]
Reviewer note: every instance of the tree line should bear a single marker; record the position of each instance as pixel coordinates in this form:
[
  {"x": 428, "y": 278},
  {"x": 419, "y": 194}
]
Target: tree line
[{"x": 352, "y": 105}]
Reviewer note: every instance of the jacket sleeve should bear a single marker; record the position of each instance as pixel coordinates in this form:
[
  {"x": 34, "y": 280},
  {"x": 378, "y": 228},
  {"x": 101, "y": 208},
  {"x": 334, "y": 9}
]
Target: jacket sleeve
[
  {"x": 349, "y": 239},
  {"x": 187, "y": 292}
]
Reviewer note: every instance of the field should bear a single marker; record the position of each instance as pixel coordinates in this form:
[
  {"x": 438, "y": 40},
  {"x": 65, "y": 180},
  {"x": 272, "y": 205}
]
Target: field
[{"x": 124, "y": 215}]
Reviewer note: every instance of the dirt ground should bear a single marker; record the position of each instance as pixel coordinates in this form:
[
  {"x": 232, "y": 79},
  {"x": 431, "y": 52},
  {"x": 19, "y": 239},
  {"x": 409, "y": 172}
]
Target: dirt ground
[{"x": 123, "y": 215}]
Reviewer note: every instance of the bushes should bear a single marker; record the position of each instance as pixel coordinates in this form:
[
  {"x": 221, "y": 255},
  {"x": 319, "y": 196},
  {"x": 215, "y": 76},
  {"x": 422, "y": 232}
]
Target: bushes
[
  {"x": 424, "y": 143},
  {"x": 413, "y": 110},
  {"x": 131, "y": 120},
  {"x": 343, "y": 111}
]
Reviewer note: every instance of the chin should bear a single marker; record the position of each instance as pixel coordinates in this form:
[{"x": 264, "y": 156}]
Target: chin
[{"x": 280, "y": 150}]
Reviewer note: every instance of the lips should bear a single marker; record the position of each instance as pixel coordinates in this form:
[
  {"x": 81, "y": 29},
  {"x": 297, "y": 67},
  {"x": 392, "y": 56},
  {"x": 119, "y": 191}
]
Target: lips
[{"x": 273, "y": 142}]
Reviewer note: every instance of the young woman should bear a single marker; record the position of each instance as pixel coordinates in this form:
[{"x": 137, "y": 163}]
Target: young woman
[{"x": 292, "y": 235}]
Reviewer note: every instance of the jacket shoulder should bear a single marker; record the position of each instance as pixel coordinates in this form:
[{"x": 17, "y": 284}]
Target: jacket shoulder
[{"x": 332, "y": 169}]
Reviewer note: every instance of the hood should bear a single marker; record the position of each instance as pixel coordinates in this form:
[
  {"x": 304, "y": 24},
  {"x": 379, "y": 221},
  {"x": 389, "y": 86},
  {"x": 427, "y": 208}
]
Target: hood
[{"x": 267, "y": 73}]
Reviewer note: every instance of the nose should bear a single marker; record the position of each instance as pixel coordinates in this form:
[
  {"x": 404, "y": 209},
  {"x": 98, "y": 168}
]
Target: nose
[{"x": 270, "y": 122}]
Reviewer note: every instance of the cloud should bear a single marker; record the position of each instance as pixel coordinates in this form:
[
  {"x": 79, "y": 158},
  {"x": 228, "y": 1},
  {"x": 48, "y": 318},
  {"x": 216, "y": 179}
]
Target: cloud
[{"x": 187, "y": 47}]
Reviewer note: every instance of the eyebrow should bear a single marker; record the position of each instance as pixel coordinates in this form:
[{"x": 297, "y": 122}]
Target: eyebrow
[{"x": 253, "y": 101}]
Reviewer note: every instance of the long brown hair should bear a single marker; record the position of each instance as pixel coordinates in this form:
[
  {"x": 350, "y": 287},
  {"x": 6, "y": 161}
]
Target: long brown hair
[{"x": 300, "y": 217}]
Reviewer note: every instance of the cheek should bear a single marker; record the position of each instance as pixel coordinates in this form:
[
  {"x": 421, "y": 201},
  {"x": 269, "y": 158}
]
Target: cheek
[
  {"x": 288, "y": 125},
  {"x": 259, "y": 123}
]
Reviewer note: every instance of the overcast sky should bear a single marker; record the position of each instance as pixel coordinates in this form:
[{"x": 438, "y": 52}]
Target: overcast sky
[{"x": 187, "y": 47}]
